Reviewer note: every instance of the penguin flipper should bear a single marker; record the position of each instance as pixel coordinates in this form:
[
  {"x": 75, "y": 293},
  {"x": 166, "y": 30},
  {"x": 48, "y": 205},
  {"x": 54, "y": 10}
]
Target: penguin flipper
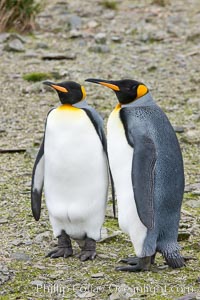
[
  {"x": 143, "y": 165},
  {"x": 98, "y": 125},
  {"x": 37, "y": 183},
  {"x": 144, "y": 160}
]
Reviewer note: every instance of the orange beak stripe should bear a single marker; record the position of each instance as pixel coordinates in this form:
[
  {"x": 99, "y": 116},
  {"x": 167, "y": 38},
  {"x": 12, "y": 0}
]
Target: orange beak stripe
[
  {"x": 109, "y": 85},
  {"x": 60, "y": 88}
]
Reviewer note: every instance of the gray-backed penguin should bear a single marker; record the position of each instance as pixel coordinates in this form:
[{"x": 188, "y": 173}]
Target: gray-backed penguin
[
  {"x": 147, "y": 168},
  {"x": 72, "y": 165}
]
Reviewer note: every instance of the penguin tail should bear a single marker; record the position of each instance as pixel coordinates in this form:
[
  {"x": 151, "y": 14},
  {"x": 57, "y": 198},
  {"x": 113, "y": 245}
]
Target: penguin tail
[
  {"x": 174, "y": 259},
  {"x": 175, "y": 263}
]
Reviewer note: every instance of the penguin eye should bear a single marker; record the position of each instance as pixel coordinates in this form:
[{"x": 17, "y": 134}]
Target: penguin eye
[{"x": 134, "y": 87}]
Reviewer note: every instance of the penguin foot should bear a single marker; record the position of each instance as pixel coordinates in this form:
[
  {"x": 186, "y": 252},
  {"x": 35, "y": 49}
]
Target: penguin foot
[
  {"x": 134, "y": 260},
  {"x": 60, "y": 252},
  {"x": 88, "y": 250},
  {"x": 64, "y": 248},
  {"x": 137, "y": 264},
  {"x": 87, "y": 255}
]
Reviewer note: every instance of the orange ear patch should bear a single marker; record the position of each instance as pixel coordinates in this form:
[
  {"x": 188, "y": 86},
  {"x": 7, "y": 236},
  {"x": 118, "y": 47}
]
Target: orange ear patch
[
  {"x": 60, "y": 88},
  {"x": 141, "y": 90},
  {"x": 83, "y": 92}
]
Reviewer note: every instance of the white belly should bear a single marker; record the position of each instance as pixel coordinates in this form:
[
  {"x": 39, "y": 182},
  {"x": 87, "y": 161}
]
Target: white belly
[
  {"x": 76, "y": 176},
  {"x": 120, "y": 156}
]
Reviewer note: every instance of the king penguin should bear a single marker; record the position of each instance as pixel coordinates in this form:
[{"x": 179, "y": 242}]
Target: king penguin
[
  {"x": 72, "y": 165},
  {"x": 147, "y": 169}
]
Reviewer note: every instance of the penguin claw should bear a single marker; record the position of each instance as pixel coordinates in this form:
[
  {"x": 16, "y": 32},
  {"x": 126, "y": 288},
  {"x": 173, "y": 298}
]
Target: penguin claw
[
  {"x": 130, "y": 260},
  {"x": 135, "y": 268},
  {"x": 60, "y": 252},
  {"x": 87, "y": 255},
  {"x": 138, "y": 264}
]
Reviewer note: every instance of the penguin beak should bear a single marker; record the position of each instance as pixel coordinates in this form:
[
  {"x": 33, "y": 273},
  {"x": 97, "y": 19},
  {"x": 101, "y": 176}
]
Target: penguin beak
[
  {"x": 109, "y": 84},
  {"x": 56, "y": 86}
]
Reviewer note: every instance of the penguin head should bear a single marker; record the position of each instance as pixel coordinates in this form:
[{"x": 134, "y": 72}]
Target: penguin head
[
  {"x": 126, "y": 90},
  {"x": 69, "y": 92}
]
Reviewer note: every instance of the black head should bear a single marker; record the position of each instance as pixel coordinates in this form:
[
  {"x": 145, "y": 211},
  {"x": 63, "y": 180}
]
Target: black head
[
  {"x": 69, "y": 92},
  {"x": 126, "y": 90}
]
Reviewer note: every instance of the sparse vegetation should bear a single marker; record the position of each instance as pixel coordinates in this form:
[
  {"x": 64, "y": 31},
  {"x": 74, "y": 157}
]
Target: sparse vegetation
[
  {"x": 109, "y": 4},
  {"x": 18, "y": 15},
  {"x": 37, "y": 76},
  {"x": 161, "y": 2}
]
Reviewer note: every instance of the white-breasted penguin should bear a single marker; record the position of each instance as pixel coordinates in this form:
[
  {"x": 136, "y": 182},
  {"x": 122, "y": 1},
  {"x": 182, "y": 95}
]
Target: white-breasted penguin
[
  {"x": 72, "y": 165},
  {"x": 147, "y": 169}
]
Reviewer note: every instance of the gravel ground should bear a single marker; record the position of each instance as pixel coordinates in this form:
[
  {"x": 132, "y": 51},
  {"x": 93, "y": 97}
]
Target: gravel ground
[{"x": 143, "y": 40}]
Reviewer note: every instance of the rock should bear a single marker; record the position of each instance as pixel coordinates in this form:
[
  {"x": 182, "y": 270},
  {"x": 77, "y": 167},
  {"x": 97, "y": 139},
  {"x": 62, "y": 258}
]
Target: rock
[
  {"x": 175, "y": 271},
  {"x": 15, "y": 45},
  {"x": 163, "y": 267},
  {"x": 195, "y": 101},
  {"x": 31, "y": 152},
  {"x": 4, "y": 37},
  {"x": 17, "y": 242},
  {"x": 175, "y": 19},
  {"x": 98, "y": 275},
  {"x": 183, "y": 236},
  {"x": 37, "y": 283},
  {"x": 153, "y": 37},
  {"x": 20, "y": 256},
  {"x": 44, "y": 236},
  {"x": 109, "y": 15},
  {"x": 74, "y": 22},
  {"x": 60, "y": 7},
  {"x": 93, "y": 24},
  {"x": 28, "y": 242},
  {"x": 99, "y": 49},
  {"x": 191, "y": 296},
  {"x": 192, "y": 136},
  {"x": 194, "y": 37},
  {"x": 192, "y": 187},
  {"x": 41, "y": 45},
  {"x": 100, "y": 38},
  {"x": 159, "y": 36},
  {"x": 107, "y": 238},
  {"x": 193, "y": 203},
  {"x": 33, "y": 88},
  {"x": 144, "y": 37},
  {"x": 74, "y": 33},
  {"x": 4, "y": 221},
  {"x": 178, "y": 129},
  {"x": 5, "y": 274},
  {"x": 121, "y": 292},
  {"x": 104, "y": 233},
  {"x": 104, "y": 256},
  {"x": 58, "y": 56},
  {"x": 30, "y": 54},
  {"x": 85, "y": 295},
  {"x": 196, "y": 117},
  {"x": 116, "y": 39},
  {"x": 18, "y": 37},
  {"x": 114, "y": 296}
]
